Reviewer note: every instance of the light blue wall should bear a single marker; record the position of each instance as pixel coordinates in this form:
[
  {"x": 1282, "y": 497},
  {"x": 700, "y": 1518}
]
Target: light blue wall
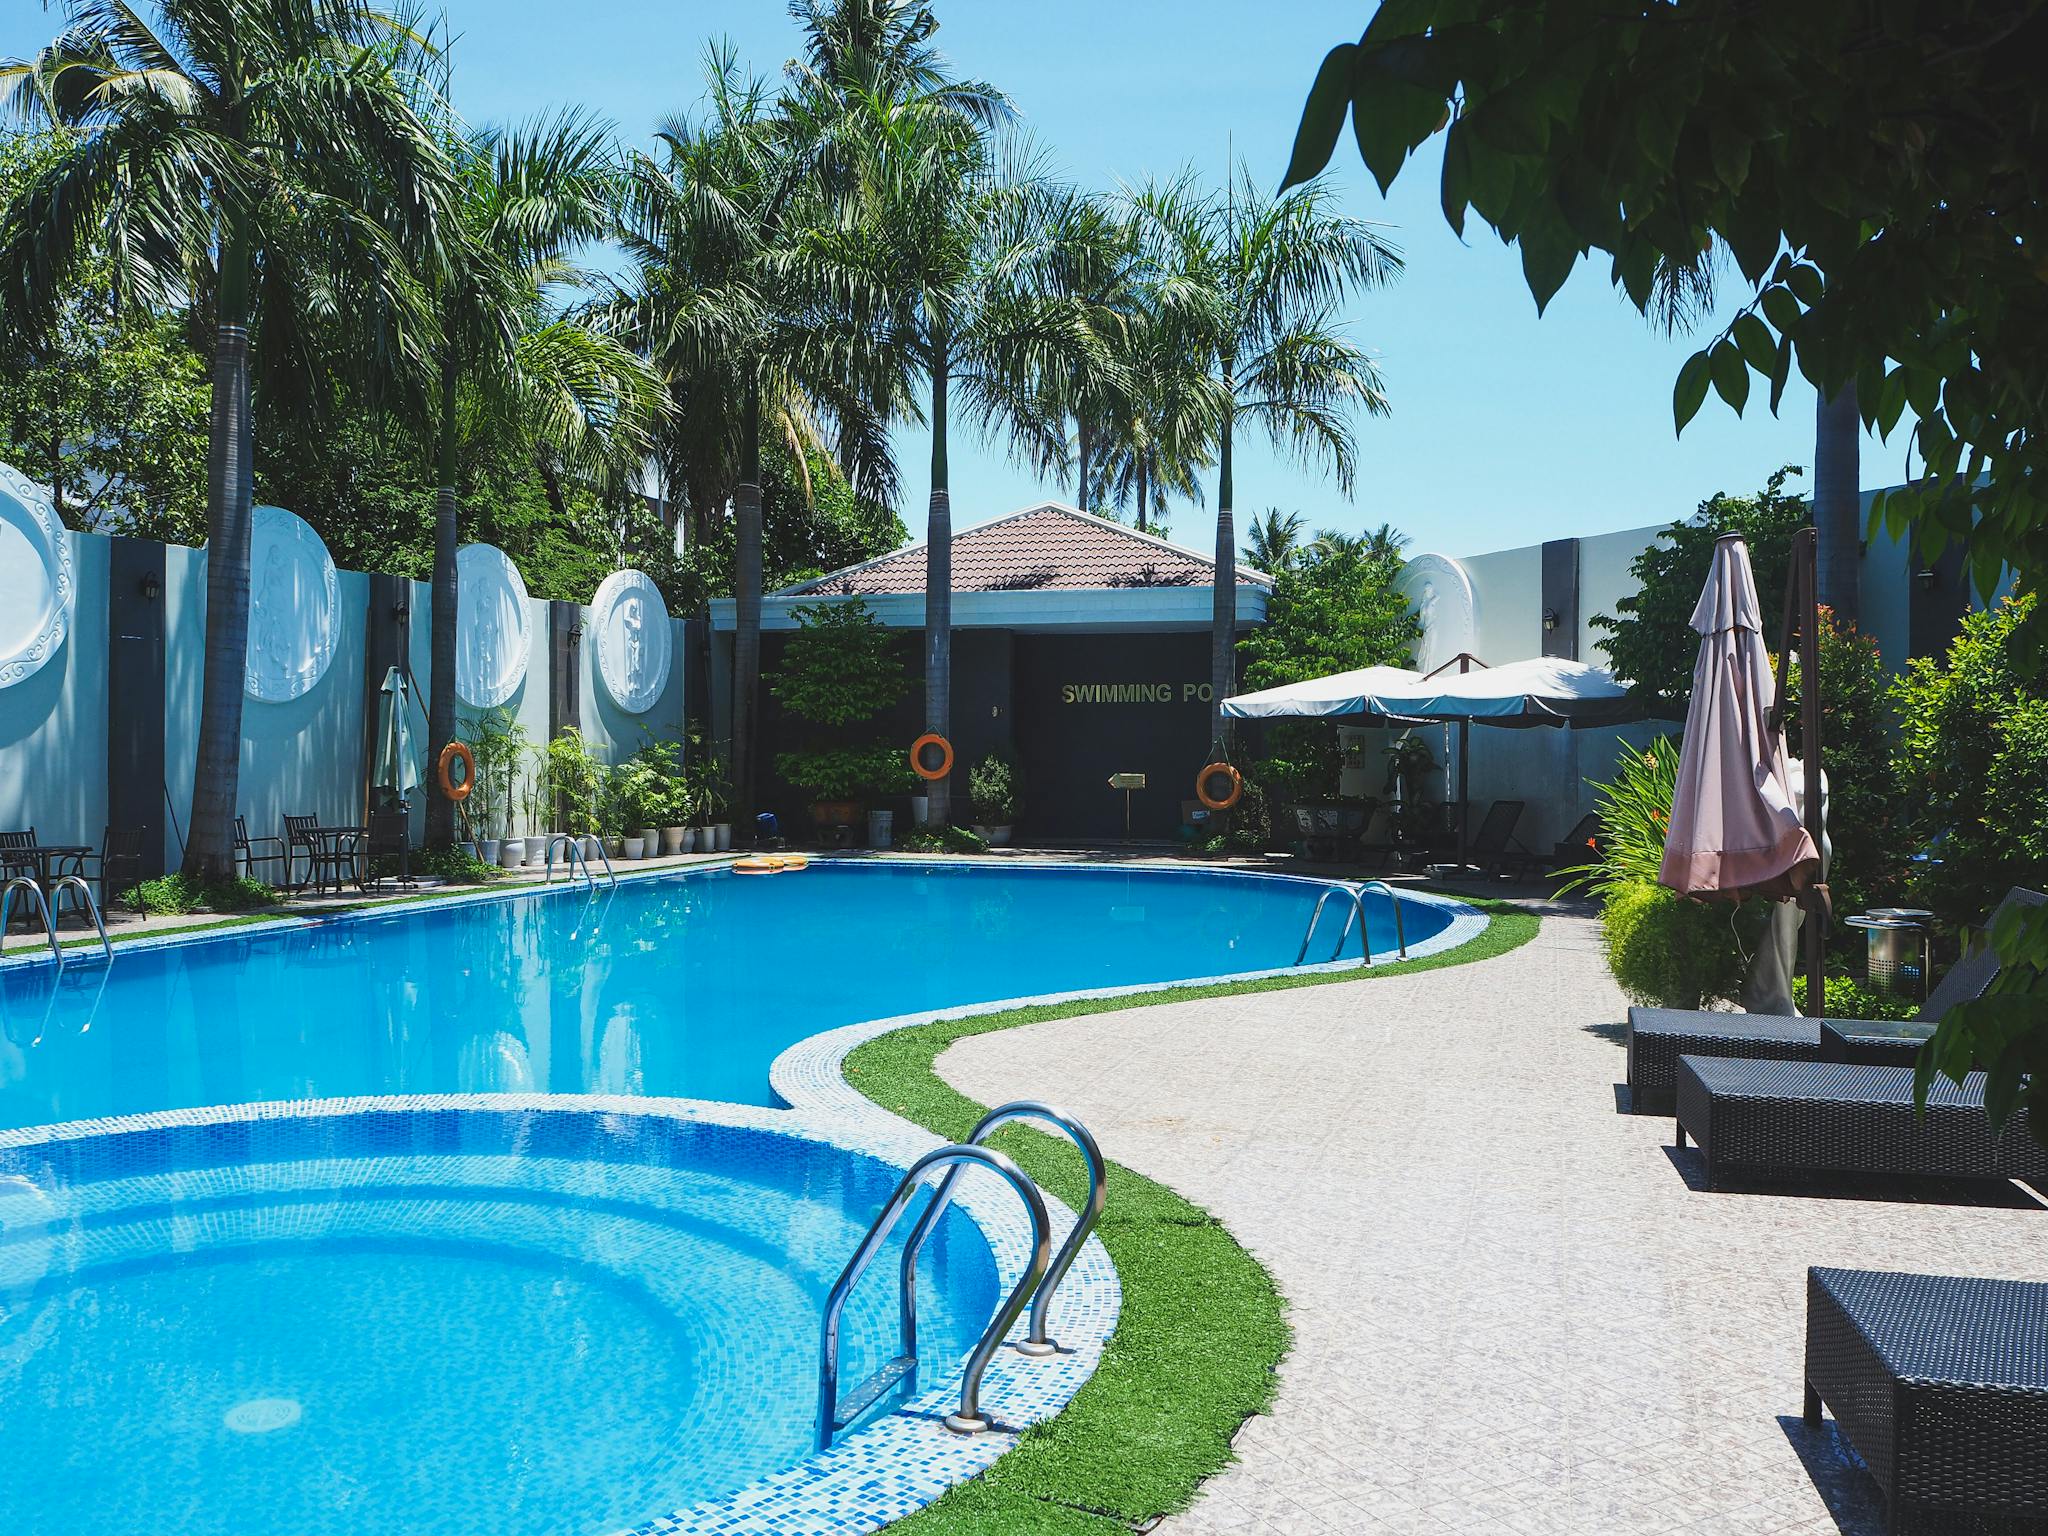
[
  {"x": 614, "y": 734},
  {"x": 53, "y": 726},
  {"x": 306, "y": 757}
]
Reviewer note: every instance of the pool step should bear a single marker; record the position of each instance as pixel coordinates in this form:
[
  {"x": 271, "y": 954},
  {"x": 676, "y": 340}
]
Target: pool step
[{"x": 871, "y": 1391}]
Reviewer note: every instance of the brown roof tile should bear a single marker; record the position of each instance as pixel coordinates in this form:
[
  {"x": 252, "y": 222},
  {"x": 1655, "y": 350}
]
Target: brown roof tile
[{"x": 1039, "y": 549}]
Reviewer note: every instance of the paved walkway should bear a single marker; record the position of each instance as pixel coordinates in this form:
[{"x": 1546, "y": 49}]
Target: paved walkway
[{"x": 1513, "y": 1312}]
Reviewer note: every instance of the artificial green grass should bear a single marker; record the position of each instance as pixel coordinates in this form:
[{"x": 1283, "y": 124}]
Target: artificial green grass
[{"x": 1202, "y": 1326}]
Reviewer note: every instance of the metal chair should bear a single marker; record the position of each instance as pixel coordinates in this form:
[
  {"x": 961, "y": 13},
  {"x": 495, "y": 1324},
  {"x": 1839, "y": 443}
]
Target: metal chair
[
  {"x": 246, "y": 856},
  {"x": 389, "y": 836},
  {"x": 118, "y": 864},
  {"x": 299, "y": 838}
]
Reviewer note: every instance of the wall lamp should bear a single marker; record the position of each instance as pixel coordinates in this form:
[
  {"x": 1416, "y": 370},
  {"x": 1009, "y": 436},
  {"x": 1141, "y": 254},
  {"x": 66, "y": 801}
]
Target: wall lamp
[
  {"x": 1550, "y": 619},
  {"x": 1927, "y": 578},
  {"x": 401, "y": 610},
  {"x": 152, "y": 587}
]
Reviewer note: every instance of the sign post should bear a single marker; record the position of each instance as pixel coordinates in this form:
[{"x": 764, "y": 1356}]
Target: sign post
[{"x": 1127, "y": 782}]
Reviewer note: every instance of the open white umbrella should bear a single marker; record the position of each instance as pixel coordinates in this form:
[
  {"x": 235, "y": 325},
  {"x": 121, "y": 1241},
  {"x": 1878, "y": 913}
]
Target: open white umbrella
[
  {"x": 1736, "y": 828},
  {"x": 1341, "y": 693}
]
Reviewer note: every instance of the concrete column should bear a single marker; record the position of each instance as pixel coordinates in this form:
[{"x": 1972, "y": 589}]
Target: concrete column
[
  {"x": 1560, "y": 610},
  {"x": 136, "y": 795},
  {"x": 565, "y": 667}
]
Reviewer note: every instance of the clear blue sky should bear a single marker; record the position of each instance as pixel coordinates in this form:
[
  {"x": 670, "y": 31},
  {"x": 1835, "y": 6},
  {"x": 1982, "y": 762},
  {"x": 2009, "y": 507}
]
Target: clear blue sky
[{"x": 1506, "y": 428}]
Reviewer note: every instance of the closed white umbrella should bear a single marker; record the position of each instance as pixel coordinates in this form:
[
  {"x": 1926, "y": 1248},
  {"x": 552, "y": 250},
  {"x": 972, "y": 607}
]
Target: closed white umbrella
[{"x": 397, "y": 767}]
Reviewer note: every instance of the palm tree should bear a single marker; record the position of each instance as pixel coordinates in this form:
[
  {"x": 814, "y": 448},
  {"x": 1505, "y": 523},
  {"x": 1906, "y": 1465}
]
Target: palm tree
[
  {"x": 209, "y": 155},
  {"x": 1275, "y": 540},
  {"x": 510, "y": 365},
  {"x": 1161, "y": 433},
  {"x": 1258, "y": 281},
  {"x": 746, "y": 341}
]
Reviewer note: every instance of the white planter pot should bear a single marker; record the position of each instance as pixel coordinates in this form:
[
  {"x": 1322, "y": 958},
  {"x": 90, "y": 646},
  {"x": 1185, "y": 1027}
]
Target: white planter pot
[
  {"x": 677, "y": 839},
  {"x": 650, "y": 842},
  {"x": 921, "y": 810},
  {"x": 722, "y": 832},
  {"x": 487, "y": 849},
  {"x": 590, "y": 847},
  {"x": 634, "y": 847},
  {"x": 995, "y": 837},
  {"x": 512, "y": 852},
  {"x": 881, "y": 829},
  {"x": 690, "y": 837}
]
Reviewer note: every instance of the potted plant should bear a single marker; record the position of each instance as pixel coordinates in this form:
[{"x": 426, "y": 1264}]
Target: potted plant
[
  {"x": 840, "y": 671},
  {"x": 498, "y": 743},
  {"x": 573, "y": 776},
  {"x": 992, "y": 791},
  {"x": 714, "y": 798}
]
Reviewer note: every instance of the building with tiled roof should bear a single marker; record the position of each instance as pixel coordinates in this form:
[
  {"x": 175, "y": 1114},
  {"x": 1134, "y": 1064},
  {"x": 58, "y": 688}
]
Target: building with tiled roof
[{"x": 1080, "y": 650}]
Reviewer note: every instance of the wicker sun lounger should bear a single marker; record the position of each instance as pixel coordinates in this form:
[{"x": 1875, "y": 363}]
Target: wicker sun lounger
[
  {"x": 1941, "y": 1385},
  {"x": 1780, "y": 1119},
  {"x": 1657, "y": 1037}
]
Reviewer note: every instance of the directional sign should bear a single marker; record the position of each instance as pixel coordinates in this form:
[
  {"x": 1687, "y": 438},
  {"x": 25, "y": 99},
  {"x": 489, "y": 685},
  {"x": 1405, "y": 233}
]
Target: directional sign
[{"x": 1127, "y": 781}]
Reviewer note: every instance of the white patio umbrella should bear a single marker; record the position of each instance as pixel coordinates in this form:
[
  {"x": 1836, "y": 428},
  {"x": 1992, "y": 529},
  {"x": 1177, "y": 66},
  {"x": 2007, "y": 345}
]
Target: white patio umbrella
[
  {"x": 1543, "y": 690},
  {"x": 397, "y": 767}
]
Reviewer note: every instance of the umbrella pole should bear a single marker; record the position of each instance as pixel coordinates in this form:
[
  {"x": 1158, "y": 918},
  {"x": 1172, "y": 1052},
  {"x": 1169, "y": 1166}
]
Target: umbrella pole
[
  {"x": 1464, "y": 791},
  {"x": 1805, "y": 567}
]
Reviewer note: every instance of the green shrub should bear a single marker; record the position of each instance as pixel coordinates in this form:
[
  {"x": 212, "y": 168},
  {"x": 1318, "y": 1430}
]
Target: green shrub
[
  {"x": 176, "y": 895},
  {"x": 1635, "y": 815},
  {"x": 1847, "y": 998},
  {"x": 457, "y": 865},
  {"x": 992, "y": 788},
  {"x": 847, "y": 773},
  {"x": 1668, "y": 951},
  {"x": 941, "y": 840}
]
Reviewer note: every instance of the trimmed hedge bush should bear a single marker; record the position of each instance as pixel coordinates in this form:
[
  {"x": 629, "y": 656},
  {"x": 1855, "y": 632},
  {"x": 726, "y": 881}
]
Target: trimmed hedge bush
[{"x": 1667, "y": 951}]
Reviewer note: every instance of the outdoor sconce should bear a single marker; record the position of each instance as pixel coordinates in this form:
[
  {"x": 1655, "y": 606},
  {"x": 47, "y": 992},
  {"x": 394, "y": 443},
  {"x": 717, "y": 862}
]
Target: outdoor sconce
[
  {"x": 575, "y": 634},
  {"x": 400, "y": 611},
  {"x": 1927, "y": 578},
  {"x": 1549, "y": 619},
  {"x": 152, "y": 587}
]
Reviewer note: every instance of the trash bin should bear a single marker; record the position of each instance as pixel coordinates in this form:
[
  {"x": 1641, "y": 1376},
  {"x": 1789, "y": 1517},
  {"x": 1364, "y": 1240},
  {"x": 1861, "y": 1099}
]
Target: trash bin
[
  {"x": 881, "y": 829},
  {"x": 1897, "y": 959}
]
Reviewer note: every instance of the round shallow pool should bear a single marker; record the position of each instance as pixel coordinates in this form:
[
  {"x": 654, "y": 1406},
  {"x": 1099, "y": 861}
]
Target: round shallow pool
[
  {"x": 686, "y": 986},
  {"x": 433, "y": 1321}
]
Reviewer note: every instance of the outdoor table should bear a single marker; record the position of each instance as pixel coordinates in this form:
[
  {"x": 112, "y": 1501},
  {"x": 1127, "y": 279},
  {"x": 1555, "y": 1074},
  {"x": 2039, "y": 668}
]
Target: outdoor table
[
  {"x": 44, "y": 856},
  {"x": 1873, "y": 1042},
  {"x": 327, "y": 847}
]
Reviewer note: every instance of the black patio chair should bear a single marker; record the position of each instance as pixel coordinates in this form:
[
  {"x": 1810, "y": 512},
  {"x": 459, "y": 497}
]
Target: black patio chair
[
  {"x": 10, "y": 866},
  {"x": 1493, "y": 847},
  {"x": 299, "y": 839},
  {"x": 389, "y": 837},
  {"x": 117, "y": 866},
  {"x": 247, "y": 857}
]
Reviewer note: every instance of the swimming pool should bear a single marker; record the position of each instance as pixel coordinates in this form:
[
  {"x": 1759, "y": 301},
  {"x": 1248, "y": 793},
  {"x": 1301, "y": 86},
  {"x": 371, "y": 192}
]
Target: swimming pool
[
  {"x": 432, "y": 1320},
  {"x": 682, "y": 986}
]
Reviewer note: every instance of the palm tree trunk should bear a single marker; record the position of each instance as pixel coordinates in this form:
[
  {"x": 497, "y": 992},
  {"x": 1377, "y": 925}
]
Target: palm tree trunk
[
  {"x": 447, "y": 602},
  {"x": 230, "y": 491},
  {"x": 1223, "y": 624},
  {"x": 1083, "y": 444},
  {"x": 1144, "y": 488},
  {"x": 746, "y": 641},
  {"x": 1837, "y": 503},
  {"x": 938, "y": 589}
]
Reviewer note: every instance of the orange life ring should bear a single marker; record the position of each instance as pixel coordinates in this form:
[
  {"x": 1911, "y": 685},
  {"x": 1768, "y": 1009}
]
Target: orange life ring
[
  {"x": 1226, "y": 800},
  {"x": 945, "y": 767},
  {"x": 454, "y": 791}
]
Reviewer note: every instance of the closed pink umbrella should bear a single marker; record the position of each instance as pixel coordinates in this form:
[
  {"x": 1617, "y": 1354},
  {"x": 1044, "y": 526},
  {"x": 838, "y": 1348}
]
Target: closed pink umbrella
[{"x": 1735, "y": 821}]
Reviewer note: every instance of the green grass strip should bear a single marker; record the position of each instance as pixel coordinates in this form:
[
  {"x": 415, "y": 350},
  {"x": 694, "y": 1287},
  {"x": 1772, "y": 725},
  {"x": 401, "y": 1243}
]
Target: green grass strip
[{"x": 1202, "y": 1327}]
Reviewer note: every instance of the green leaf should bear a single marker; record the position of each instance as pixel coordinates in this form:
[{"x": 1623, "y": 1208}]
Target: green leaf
[
  {"x": 1456, "y": 192},
  {"x": 1731, "y": 374},
  {"x": 1753, "y": 339},
  {"x": 1780, "y": 308},
  {"x": 1322, "y": 116},
  {"x": 1691, "y": 391},
  {"x": 1805, "y": 283},
  {"x": 1781, "y": 370},
  {"x": 1391, "y": 112}
]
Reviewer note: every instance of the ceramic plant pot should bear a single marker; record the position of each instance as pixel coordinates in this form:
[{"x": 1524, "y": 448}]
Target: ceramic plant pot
[
  {"x": 487, "y": 849},
  {"x": 723, "y": 833},
  {"x": 677, "y": 839},
  {"x": 512, "y": 852},
  {"x": 634, "y": 847}
]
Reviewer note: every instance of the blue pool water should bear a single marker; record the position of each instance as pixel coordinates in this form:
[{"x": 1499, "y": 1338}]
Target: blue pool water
[
  {"x": 464, "y": 1324},
  {"x": 688, "y": 986}
]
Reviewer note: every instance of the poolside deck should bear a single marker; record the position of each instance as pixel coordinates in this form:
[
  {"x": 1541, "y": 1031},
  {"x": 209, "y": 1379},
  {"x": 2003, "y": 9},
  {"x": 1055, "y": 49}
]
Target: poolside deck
[{"x": 1516, "y": 1309}]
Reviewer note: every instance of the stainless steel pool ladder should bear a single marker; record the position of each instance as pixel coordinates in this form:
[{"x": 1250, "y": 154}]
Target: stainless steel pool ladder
[
  {"x": 576, "y": 860},
  {"x": 23, "y": 882},
  {"x": 77, "y": 883},
  {"x": 1357, "y": 914},
  {"x": 1038, "y": 1342},
  {"x": 835, "y": 1414}
]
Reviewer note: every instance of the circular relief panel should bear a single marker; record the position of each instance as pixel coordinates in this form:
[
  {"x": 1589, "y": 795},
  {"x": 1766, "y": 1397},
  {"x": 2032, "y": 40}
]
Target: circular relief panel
[
  {"x": 491, "y": 626},
  {"x": 1442, "y": 594},
  {"x": 633, "y": 639},
  {"x": 294, "y": 608},
  {"x": 37, "y": 581}
]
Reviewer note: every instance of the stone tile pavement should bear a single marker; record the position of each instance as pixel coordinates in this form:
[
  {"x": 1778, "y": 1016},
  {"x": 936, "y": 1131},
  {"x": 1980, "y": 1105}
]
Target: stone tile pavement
[{"x": 1515, "y": 1311}]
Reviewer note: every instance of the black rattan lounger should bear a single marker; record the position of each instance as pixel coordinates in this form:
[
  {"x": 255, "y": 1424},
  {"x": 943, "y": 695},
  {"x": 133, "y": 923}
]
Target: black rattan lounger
[
  {"x": 1789, "y": 1119},
  {"x": 1941, "y": 1385}
]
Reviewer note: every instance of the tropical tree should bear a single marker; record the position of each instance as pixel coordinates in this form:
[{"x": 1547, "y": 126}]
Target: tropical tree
[
  {"x": 1161, "y": 433},
  {"x": 1255, "y": 283},
  {"x": 753, "y": 350},
  {"x": 1275, "y": 540},
  {"x": 260, "y": 162},
  {"x": 509, "y": 363}
]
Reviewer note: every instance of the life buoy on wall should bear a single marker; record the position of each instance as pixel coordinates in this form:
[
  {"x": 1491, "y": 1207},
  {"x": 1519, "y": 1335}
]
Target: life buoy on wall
[
  {"x": 457, "y": 751},
  {"x": 931, "y": 773},
  {"x": 1205, "y": 780}
]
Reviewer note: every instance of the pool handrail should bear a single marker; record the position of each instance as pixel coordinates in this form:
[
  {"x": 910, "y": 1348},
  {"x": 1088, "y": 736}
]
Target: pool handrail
[
  {"x": 969, "y": 1419},
  {"x": 24, "y": 882},
  {"x": 576, "y": 859},
  {"x": 1038, "y": 1342},
  {"x": 1357, "y": 913},
  {"x": 92, "y": 908}
]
